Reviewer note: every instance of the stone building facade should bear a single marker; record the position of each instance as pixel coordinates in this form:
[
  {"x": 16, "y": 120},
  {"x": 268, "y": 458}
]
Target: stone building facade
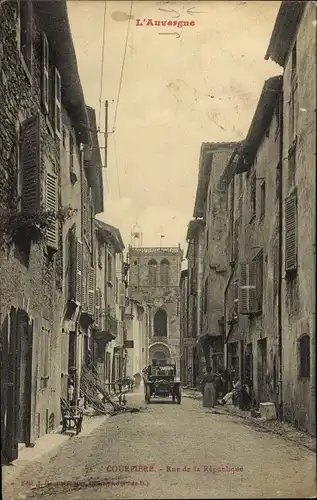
[
  {"x": 293, "y": 46},
  {"x": 210, "y": 206},
  {"x": 154, "y": 276},
  {"x": 43, "y": 123},
  {"x": 109, "y": 353},
  {"x": 252, "y": 300}
]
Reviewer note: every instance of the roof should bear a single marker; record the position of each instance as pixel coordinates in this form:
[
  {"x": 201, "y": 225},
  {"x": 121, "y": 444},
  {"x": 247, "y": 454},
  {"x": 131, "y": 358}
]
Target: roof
[
  {"x": 284, "y": 31},
  {"x": 110, "y": 234},
  {"x": 261, "y": 120},
  {"x": 93, "y": 165},
  {"x": 192, "y": 228},
  {"x": 53, "y": 18},
  {"x": 205, "y": 161}
]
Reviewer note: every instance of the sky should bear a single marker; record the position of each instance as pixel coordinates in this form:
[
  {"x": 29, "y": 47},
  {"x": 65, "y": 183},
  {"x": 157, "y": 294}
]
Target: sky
[{"x": 180, "y": 87}]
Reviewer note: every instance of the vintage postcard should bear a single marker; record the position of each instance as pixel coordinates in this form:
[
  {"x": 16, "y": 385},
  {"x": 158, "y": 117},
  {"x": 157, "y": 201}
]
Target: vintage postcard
[{"x": 158, "y": 249}]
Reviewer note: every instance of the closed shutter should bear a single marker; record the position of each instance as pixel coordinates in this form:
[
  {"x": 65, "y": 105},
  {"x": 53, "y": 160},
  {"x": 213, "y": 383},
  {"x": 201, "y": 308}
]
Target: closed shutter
[
  {"x": 91, "y": 291},
  {"x": 79, "y": 271},
  {"x": 253, "y": 306},
  {"x": 31, "y": 165},
  {"x": 291, "y": 233},
  {"x": 243, "y": 288},
  {"x": 51, "y": 196},
  {"x": 45, "y": 73}
]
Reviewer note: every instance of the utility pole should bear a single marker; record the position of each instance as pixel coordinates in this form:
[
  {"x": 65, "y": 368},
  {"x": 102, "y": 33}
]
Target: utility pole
[{"x": 106, "y": 134}]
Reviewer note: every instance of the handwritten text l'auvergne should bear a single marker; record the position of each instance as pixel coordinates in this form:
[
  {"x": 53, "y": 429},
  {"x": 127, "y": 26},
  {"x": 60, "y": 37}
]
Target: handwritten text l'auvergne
[{"x": 154, "y": 22}]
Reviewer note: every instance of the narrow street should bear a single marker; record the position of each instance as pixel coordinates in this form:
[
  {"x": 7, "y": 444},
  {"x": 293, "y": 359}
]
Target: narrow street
[{"x": 186, "y": 451}]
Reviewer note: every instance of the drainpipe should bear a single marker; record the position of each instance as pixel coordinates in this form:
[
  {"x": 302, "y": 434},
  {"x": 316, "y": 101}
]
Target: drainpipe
[{"x": 280, "y": 259}]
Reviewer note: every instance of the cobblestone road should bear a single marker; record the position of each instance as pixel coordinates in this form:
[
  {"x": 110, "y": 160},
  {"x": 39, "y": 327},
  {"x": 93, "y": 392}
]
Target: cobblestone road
[{"x": 185, "y": 451}]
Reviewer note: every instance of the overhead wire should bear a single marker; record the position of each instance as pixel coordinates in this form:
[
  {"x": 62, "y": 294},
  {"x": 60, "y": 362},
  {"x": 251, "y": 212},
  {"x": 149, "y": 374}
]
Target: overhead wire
[
  {"x": 102, "y": 61},
  {"x": 122, "y": 69},
  {"x": 118, "y": 98}
]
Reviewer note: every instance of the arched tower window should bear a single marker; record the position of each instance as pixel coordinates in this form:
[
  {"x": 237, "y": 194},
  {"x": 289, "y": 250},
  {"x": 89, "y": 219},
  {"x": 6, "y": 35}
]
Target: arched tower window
[
  {"x": 164, "y": 272},
  {"x": 152, "y": 268},
  {"x": 160, "y": 323}
]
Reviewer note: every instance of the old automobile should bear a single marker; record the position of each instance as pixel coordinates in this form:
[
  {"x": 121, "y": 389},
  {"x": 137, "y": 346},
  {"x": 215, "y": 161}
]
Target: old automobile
[{"x": 161, "y": 382}]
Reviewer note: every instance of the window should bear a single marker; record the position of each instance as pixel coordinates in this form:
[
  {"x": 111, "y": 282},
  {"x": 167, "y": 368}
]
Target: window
[
  {"x": 262, "y": 199},
  {"x": 152, "y": 268},
  {"x": 252, "y": 197},
  {"x": 164, "y": 272},
  {"x": 160, "y": 323},
  {"x": 291, "y": 234},
  {"x": 304, "y": 356},
  {"x": 251, "y": 286},
  {"x": 26, "y": 32}
]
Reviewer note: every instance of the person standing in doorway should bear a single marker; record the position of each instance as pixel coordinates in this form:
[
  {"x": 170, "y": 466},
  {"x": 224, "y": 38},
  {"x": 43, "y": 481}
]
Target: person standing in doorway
[
  {"x": 71, "y": 392},
  {"x": 208, "y": 389}
]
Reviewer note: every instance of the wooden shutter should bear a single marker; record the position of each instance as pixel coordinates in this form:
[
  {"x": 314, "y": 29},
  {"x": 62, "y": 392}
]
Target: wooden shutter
[
  {"x": 91, "y": 291},
  {"x": 31, "y": 165},
  {"x": 291, "y": 233},
  {"x": 51, "y": 196},
  {"x": 58, "y": 103},
  {"x": 45, "y": 73},
  {"x": 79, "y": 271},
  {"x": 243, "y": 288},
  {"x": 252, "y": 286}
]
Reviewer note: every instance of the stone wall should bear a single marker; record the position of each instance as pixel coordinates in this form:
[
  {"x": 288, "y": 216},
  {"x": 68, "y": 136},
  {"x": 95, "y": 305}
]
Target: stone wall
[{"x": 299, "y": 292}]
